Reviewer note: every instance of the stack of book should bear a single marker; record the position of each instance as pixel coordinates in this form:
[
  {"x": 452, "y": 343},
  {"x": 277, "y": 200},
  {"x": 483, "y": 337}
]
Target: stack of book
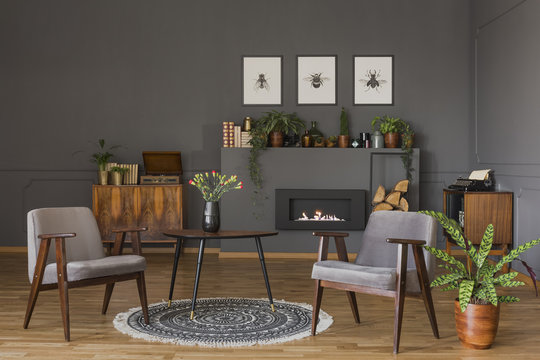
[
  {"x": 245, "y": 137},
  {"x": 233, "y": 136},
  {"x": 228, "y": 134}
]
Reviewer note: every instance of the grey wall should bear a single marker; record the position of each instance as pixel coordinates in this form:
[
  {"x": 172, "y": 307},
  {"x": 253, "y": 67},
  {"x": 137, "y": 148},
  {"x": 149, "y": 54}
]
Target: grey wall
[
  {"x": 163, "y": 75},
  {"x": 506, "y": 122}
]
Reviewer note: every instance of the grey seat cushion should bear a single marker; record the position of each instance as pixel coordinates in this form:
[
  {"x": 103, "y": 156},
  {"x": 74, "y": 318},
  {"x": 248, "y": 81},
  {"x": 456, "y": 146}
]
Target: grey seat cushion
[
  {"x": 377, "y": 277},
  {"x": 87, "y": 269}
]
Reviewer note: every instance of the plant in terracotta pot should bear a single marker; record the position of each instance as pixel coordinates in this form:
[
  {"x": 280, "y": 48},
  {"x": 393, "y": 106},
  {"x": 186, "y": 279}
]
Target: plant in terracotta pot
[
  {"x": 343, "y": 139},
  {"x": 477, "y": 306},
  {"x": 278, "y": 123},
  {"x": 390, "y": 127}
]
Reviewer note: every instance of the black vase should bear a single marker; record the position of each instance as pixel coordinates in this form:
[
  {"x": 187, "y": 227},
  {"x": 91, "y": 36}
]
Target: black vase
[{"x": 210, "y": 220}]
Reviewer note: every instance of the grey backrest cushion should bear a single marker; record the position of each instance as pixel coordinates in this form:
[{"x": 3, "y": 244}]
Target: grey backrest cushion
[
  {"x": 375, "y": 251},
  {"x": 86, "y": 245}
]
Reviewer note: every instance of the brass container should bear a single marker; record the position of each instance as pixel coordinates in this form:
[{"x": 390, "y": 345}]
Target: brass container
[
  {"x": 307, "y": 140},
  {"x": 102, "y": 177},
  {"x": 246, "y": 126},
  {"x": 116, "y": 178}
]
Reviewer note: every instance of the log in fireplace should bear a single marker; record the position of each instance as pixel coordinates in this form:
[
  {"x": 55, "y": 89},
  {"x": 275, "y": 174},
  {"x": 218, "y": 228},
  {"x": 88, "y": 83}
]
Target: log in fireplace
[{"x": 318, "y": 209}]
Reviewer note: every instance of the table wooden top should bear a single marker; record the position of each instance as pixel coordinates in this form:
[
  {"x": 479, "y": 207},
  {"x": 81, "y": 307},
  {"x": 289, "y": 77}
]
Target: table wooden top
[{"x": 223, "y": 234}]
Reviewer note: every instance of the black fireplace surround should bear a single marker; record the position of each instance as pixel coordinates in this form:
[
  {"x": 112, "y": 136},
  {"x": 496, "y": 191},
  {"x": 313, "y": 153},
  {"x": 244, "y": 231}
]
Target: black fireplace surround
[{"x": 347, "y": 205}]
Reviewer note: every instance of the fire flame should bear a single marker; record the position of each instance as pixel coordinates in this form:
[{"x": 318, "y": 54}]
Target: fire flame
[{"x": 318, "y": 217}]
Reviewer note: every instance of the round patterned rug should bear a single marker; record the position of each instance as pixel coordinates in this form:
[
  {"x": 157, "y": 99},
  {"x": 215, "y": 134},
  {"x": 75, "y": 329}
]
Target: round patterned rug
[{"x": 222, "y": 322}]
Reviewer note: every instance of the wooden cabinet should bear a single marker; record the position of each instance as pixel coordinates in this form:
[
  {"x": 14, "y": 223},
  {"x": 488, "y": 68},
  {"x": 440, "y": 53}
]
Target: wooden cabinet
[
  {"x": 158, "y": 207},
  {"x": 476, "y": 210}
]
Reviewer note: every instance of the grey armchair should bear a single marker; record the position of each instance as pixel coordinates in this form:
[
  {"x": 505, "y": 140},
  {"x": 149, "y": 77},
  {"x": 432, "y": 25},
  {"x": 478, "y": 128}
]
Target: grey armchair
[
  {"x": 78, "y": 258},
  {"x": 381, "y": 267}
]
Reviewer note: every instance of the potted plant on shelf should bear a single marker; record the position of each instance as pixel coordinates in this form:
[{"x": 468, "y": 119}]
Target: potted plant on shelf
[
  {"x": 477, "y": 306},
  {"x": 390, "y": 127},
  {"x": 101, "y": 158},
  {"x": 343, "y": 139},
  {"x": 278, "y": 123},
  {"x": 117, "y": 174}
]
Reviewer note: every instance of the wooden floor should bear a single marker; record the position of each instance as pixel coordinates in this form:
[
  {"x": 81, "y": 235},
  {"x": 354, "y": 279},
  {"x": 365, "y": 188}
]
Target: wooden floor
[{"x": 94, "y": 337}]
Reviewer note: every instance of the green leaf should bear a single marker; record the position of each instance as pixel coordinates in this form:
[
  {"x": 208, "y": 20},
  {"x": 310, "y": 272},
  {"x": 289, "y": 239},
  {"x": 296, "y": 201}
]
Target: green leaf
[
  {"x": 490, "y": 292},
  {"x": 512, "y": 283},
  {"x": 445, "y": 279},
  {"x": 465, "y": 291},
  {"x": 452, "y": 270},
  {"x": 505, "y": 277},
  {"x": 515, "y": 253},
  {"x": 453, "y": 285},
  {"x": 508, "y": 299},
  {"x": 485, "y": 246},
  {"x": 445, "y": 257}
]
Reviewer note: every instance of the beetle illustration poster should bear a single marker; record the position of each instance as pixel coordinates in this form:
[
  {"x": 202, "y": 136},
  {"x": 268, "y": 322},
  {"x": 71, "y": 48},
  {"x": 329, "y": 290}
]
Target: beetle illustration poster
[
  {"x": 373, "y": 80},
  {"x": 316, "y": 80},
  {"x": 261, "y": 80}
]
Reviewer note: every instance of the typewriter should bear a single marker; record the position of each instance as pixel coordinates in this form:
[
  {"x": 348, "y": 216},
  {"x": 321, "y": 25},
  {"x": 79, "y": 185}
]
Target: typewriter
[{"x": 478, "y": 180}]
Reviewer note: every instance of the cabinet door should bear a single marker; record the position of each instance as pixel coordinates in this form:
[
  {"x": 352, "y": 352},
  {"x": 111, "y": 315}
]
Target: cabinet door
[
  {"x": 115, "y": 207},
  {"x": 482, "y": 209},
  {"x": 161, "y": 209}
]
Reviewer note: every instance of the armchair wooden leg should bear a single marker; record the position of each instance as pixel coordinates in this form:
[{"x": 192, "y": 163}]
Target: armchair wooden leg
[
  {"x": 423, "y": 280},
  {"x": 317, "y": 298},
  {"x": 107, "y": 298},
  {"x": 63, "y": 284},
  {"x": 141, "y": 286},
  {"x": 401, "y": 283},
  {"x": 39, "y": 270},
  {"x": 351, "y": 295}
]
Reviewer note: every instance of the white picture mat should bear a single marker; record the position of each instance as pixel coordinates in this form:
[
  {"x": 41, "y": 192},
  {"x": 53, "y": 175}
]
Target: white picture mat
[
  {"x": 326, "y": 93},
  {"x": 382, "y": 66},
  {"x": 271, "y": 68}
]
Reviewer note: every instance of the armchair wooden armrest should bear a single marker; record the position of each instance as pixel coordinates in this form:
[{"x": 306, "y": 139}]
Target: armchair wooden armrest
[
  {"x": 54, "y": 236},
  {"x": 339, "y": 238},
  {"x": 135, "y": 240},
  {"x": 405, "y": 241}
]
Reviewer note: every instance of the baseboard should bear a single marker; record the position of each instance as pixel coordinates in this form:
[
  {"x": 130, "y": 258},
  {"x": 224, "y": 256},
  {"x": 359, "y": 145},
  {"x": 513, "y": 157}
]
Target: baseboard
[{"x": 276, "y": 255}]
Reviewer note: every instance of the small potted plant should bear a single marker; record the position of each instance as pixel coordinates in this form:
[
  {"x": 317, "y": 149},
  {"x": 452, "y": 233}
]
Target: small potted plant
[
  {"x": 213, "y": 186},
  {"x": 101, "y": 158},
  {"x": 331, "y": 141},
  {"x": 343, "y": 139},
  {"x": 477, "y": 306},
  {"x": 390, "y": 127},
  {"x": 278, "y": 123},
  {"x": 117, "y": 174}
]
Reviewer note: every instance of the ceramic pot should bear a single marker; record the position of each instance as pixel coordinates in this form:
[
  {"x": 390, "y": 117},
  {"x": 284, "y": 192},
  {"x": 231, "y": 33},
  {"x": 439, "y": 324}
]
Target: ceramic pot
[
  {"x": 103, "y": 176},
  {"x": 477, "y": 326},
  {"x": 391, "y": 140},
  {"x": 116, "y": 178},
  {"x": 344, "y": 141},
  {"x": 377, "y": 139},
  {"x": 276, "y": 139},
  {"x": 210, "y": 220}
]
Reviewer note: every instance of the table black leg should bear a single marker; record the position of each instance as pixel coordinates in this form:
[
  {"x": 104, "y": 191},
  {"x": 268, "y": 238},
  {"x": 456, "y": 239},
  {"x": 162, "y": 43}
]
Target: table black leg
[
  {"x": 175, "y": 267},
  {"x": 197, "y": 276},
  {"x": 263, "y": 265}
]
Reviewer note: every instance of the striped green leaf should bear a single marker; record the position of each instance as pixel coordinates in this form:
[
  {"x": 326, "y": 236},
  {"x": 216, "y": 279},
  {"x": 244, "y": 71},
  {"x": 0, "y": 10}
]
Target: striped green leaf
[
  {"x": 515, "y": 253},
  {"x": 490, "y": 292},
  {"x": 445, "y": 257},
  {"x": 454, "y": 230},
  {"x": 452, "y": 270},
  {"x": 512, "y": 283},
  {"x": 451, "y": 286},
  {"x": 446, "y": 279},
  {"x": 481, "y": 293},
  {"x": 505, "y": 277},
  {"x": 508, "y": 299},
  {"x": 487, "y": 270},
  {"x": 465, "y": 291},
  {"x": 485, "y": 246}
]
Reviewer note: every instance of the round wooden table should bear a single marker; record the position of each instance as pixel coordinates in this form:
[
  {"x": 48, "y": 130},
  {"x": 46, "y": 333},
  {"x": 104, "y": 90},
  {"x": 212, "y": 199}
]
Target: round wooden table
[{"x": 180, "y": 235}]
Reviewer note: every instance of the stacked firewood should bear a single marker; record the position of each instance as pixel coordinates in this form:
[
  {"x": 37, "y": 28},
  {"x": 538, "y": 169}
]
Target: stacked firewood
[{"x": 394, "y": 200}]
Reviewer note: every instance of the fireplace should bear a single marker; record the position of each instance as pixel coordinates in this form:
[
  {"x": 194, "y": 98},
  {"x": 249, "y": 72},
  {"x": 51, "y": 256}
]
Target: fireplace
[{"x": 317, "y": 209}]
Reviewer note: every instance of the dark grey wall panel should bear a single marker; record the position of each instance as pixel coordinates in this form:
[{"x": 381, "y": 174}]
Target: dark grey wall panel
[{"x": 163, "y": 75}]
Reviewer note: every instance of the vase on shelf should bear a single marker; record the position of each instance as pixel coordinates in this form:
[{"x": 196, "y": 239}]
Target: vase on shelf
[
  {"x": 314, "y": 131},
  {"x": 210, "y": 220},
  {"x": 102, "y": 177}
]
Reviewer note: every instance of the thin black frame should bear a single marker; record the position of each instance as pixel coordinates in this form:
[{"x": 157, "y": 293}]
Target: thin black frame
[
  {"x": 281, "y": 76},
  {"x": 335, "y": 76},
  {"x": 354, "y": 80}
]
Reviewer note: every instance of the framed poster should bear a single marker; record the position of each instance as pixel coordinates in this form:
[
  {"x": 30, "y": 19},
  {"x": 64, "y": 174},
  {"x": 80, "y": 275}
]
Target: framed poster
[
  {"x": 373, "y": 80},
  {"x": 316, "y": 80},
  {"x": 262, "y": 80}
]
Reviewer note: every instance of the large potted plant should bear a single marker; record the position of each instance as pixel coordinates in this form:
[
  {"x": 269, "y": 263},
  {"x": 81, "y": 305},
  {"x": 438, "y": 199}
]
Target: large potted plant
[
  {"x": 477, "y": 306},
  {"x": 278, "y": 123},
  {"x": 343, "y": 139},
  {"x": 390, "y": 127}
]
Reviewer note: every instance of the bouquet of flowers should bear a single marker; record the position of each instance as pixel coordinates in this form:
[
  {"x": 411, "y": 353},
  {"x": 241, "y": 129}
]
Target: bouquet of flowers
[{"x": 214, "y": 185}]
